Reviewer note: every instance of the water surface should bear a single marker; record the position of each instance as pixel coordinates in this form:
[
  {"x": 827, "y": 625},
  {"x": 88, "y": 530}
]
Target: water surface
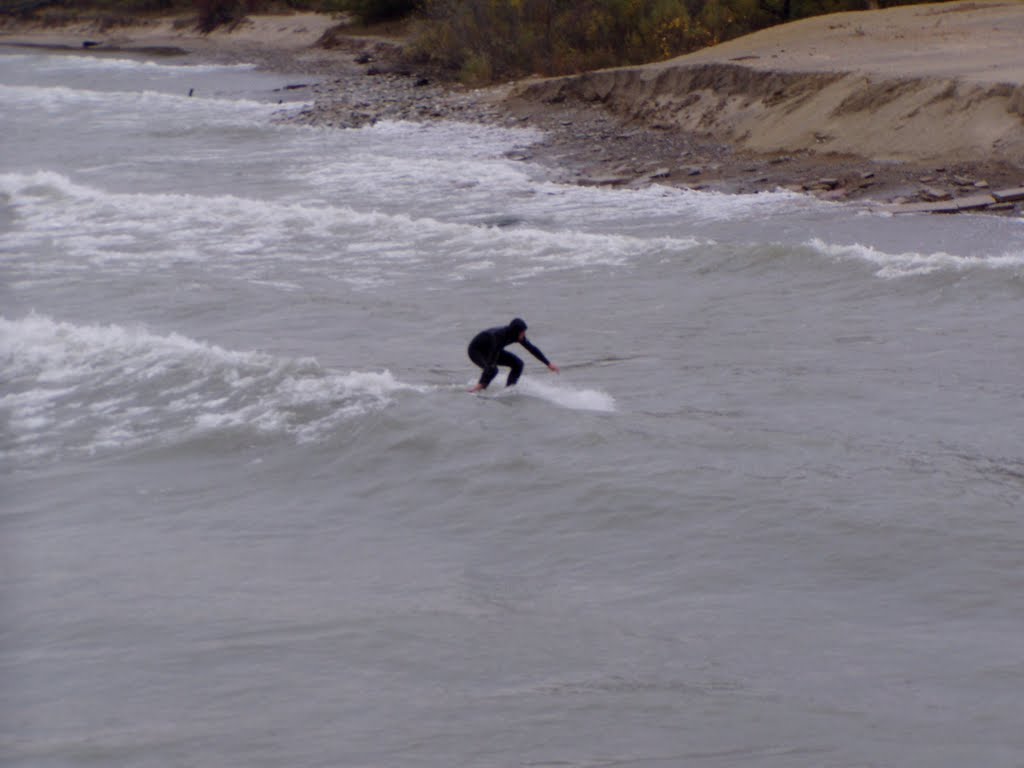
[{"x": 768, "y": 515}]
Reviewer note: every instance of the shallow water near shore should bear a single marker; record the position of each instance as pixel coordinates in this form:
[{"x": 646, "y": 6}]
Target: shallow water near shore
[{"x": 768, "y": 514}]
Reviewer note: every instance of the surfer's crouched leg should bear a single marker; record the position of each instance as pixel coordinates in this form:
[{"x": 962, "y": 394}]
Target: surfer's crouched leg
[
  {"x": 478, "y": 353},
  {"x": 514, "y": 363},
  {"x": 488, "y": 375}
]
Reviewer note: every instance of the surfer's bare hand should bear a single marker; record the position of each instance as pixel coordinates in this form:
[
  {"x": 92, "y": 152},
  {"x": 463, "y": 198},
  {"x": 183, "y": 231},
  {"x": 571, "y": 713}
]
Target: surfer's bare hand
[{"x": 554, "y": 368}]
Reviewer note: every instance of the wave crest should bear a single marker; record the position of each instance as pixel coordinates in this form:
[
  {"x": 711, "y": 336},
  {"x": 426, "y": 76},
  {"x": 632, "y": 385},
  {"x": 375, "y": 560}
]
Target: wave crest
[
  {"x": 912, "y": 263},
  {"x": 87, "y": 389}
]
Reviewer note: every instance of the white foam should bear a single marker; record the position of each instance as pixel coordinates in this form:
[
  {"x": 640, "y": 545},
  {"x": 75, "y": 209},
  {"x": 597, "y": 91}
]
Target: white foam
[
  {"x": 579, "y": 206},
  {"x": 135, "y": 104},
  {"x": 893, "y": 265},
  {"x": 129, "y": 230},
  {"x": 97, "y": 387},
  {"x": 75, "y": 63},
  {"x": 670, "y": 203},
  {"x": 562, "y": 395},
  {"x": 466, "y": 171}
]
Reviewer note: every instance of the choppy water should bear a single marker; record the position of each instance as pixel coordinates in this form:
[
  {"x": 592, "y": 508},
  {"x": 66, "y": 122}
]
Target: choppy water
[{"x": 768, "y": 515}]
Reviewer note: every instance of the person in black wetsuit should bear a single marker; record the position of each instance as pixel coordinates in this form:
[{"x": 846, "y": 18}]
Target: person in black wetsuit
[{"x": 487, "y": 349}]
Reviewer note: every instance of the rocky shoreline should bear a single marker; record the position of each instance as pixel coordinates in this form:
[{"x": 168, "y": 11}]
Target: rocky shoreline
[
  {"x": 588, "y": 145},
  {"x": 584, "y": 143},
  {"x": 357, "y": 80}
]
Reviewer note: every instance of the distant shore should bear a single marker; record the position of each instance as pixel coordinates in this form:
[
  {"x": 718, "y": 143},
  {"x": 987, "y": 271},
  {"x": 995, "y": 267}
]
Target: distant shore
[{"x": 912, "y": 105}]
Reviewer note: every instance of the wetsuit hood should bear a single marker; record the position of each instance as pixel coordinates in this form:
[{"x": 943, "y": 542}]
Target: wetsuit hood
[{"x": 517, "y": 326}]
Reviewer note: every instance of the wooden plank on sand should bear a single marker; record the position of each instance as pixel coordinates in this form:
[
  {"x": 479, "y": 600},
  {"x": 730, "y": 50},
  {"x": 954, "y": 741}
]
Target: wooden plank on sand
[
  {"x": 974, "y": 202},
  {"x": 946, "y": 206},
  {"x": 1009, "y": 195},
  {"x": 969, "y": 203}
]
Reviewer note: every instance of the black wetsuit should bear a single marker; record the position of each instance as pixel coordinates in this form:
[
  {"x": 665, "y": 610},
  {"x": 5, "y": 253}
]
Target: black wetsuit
[{"x": 487, "y": 349}]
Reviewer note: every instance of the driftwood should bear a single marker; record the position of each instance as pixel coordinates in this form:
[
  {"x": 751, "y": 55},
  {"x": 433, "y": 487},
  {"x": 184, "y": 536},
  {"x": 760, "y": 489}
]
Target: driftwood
[{"x": 980, "y": 202}]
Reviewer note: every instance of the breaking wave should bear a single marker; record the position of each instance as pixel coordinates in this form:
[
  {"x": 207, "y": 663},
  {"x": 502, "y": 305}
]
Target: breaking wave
[
  {"x": 891, "y": 265},
  {"x": 95, "y": 388}
]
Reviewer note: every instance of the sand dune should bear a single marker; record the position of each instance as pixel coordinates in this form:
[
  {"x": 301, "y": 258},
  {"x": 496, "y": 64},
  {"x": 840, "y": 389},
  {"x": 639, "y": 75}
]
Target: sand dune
[{"x": 926, "y": 83}]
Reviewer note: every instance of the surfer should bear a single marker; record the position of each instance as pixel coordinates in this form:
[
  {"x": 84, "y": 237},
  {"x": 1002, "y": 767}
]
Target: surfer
[{"x": 487, "y": 349}]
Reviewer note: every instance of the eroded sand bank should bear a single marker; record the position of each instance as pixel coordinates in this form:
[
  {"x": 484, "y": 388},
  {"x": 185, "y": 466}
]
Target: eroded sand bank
[{"x": 923, "y": 84}]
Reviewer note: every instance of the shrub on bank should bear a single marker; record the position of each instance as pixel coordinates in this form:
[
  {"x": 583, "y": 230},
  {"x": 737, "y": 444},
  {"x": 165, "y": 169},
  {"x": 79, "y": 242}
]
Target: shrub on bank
[
  {"x": 216, "y": 13},
  {"x": 483, "y": 40},
  {"x": 487, "y": 39},
  {"x": 373, "y": 11}
]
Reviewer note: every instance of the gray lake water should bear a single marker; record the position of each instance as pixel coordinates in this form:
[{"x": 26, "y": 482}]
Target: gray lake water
[{"x": 768, "y": 515}]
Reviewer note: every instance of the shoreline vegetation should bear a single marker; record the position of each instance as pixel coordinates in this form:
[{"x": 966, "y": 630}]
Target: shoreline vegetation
[{"x": 911, "y": 108}]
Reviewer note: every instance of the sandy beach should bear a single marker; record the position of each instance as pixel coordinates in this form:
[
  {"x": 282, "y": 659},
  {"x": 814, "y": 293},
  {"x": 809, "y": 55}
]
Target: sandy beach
[{"x": 918, "y": 104}]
